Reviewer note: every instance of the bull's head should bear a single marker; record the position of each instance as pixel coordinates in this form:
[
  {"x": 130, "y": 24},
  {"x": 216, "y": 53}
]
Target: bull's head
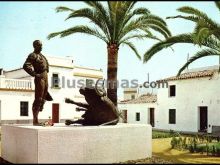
[{"x": 93, "y": 93}]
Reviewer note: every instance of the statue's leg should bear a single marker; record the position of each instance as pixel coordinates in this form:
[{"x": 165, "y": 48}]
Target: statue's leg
[
  {"x": 43, "y": 94},
  {"x": 35, "y": 115},
  {"x": 80, "y": 109},
  {"x": 42, "y": 102},
  {"x": 38, "y": 102},
  {"x": 84, "y": 105},
  {"x": 69, "y": 122},
  {"x": 37, "y": 105}
]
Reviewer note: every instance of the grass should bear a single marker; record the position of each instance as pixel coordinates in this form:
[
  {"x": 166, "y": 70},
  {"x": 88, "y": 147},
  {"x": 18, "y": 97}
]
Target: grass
[{"x": 162, "y": 149}]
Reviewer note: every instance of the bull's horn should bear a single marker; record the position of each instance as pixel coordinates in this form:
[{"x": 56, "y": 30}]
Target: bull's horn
[
  {"x": 100, "y": 93},
  {"x": 103, "y": 86}
]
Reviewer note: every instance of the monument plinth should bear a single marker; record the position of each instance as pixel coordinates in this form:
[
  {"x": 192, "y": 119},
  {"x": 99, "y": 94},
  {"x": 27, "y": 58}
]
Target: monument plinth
[{"x": 76, "y": 144}]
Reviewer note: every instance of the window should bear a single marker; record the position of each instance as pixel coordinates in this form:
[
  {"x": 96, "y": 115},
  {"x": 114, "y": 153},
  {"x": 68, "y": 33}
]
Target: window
[
  {"x": 23, "y": 108},
  {"x": 172, "y": 90},
  {"x": 132, "y": 96},
  {"x": 89, "y": 82},
  {"x": 137, "y": 116},
  {"x": 55, "y": 80},
  {"x": 172, "y": 116}
]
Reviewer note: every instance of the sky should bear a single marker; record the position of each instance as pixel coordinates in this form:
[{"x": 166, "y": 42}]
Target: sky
[{"x": 23, "y": 22}]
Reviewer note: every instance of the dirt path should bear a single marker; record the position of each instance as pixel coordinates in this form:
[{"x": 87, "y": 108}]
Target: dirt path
[{"x": 162, "y": 149}]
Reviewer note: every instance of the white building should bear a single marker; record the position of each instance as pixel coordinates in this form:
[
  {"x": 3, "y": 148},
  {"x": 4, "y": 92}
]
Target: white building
[
  {"x": 140, "y": 110},
  {"x": 191, "y": 103},
  {"x": 64, "y": 78},
  {"x": 130, "y": 93}
]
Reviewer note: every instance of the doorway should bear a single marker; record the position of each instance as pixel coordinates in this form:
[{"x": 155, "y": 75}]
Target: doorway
[
  {"x": 152, "y": 117},
  {"x": 55, "y": 113},
  {"x": 203, "y": 119}
]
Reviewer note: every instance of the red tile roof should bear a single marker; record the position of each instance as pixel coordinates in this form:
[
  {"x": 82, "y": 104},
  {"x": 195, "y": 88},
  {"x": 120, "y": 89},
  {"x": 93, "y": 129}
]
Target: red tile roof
[
  {"x": 146, "y": 98},
  {"x": 191, "y": 75}
]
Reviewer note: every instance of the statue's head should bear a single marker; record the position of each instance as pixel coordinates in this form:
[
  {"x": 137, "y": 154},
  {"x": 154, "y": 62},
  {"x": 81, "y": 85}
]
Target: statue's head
[{"x": 37, "y": 44}]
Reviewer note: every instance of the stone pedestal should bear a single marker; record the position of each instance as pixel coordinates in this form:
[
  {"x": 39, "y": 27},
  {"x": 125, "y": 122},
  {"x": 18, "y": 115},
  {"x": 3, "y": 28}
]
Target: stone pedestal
[{"x": 76, "y": 144}]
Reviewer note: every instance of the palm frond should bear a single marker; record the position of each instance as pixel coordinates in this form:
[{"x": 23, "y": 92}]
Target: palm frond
[
  {"x": 93, "y": 16},
  {"x": 202, "y": 35},
  {"x": 63, "y": 8},
  {"x": 156, "y": 18},
  {"x": 217, "y": 3},
  {"x": 198, "y": 55},
  {"x": 182, "y": 38},
  {"x": 78, "y": 29},
  {"x": 52, "y": 35},
  {"x": 140, "y": 37},
  {"x": 161, "y": 29},
  {"x": 128, "y": 17},
  {"x": 104, "y": 15},
  {"x": 129, "y": 44},
  {"x": 99, "y": 7},
  {"x": 121, "y": 16},
  {"x": 141, "y": 10},
  {"x": 193, "y": 11},
  {"x": 211, "y": 42},
  {"x": 198, "y": 13},
  {"x": 146, "y": 22},
  {"x": 191, "y": 18},
  {"x": 112, "y": 6}
]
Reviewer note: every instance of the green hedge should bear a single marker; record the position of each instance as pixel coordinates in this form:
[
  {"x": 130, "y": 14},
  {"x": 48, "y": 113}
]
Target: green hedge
[
  {"x": 161, "y": 134},
  {"x": 198, "y": 144}
]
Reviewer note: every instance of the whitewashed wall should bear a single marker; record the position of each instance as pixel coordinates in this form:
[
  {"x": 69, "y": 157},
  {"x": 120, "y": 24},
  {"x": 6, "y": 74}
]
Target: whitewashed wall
[
  {"x": 10, "y": 104},
  {"x": 190, "y": 94},
  {"x": 143, "y": 109},
  {"x": 128, "y": 96}
]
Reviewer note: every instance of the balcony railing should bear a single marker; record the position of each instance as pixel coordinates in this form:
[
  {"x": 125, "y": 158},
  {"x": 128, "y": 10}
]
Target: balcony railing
[{"x": 7, "y": 83}]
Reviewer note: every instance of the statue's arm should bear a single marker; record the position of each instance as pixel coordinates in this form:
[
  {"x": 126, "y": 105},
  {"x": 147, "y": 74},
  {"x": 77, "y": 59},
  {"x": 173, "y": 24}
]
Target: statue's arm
[
  {"x": 47, "y": 66},
  {"x": 84, "y": 105},
  {"x": 28, "y": 65},
  {"x": 47, "y": 63}
]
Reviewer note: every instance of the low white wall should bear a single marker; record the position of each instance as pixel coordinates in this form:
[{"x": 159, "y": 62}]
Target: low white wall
[{"x": 76, "y": 144}]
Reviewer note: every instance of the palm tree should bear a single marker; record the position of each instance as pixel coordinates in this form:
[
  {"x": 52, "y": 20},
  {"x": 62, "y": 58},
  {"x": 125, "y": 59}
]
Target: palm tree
[
  {"x": 206, "y": 35},
  {"x": 115, "y": 24}
]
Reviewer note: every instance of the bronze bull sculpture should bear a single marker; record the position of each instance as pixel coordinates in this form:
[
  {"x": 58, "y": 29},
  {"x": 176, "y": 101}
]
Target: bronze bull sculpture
[{"x": 99, "y": 109}]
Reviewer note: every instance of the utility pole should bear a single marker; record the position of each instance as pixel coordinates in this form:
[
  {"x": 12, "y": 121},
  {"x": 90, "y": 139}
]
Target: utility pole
[{"x": 188, "y": 60}]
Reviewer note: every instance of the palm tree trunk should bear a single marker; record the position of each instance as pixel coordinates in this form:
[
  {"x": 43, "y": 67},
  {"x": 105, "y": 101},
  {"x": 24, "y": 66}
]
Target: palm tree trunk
[{"x": 112, "y": 72}]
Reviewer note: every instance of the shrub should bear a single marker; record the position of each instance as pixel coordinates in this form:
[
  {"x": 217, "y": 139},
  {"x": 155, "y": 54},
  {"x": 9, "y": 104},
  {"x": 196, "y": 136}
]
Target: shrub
[
  {"x": 218, "y": 152},
  {"x": 213, "y": 150},
  {"x": 174, "y": 142},
  {"x": 160, "y": 134},
  {"x": 191, "y": 149}
]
